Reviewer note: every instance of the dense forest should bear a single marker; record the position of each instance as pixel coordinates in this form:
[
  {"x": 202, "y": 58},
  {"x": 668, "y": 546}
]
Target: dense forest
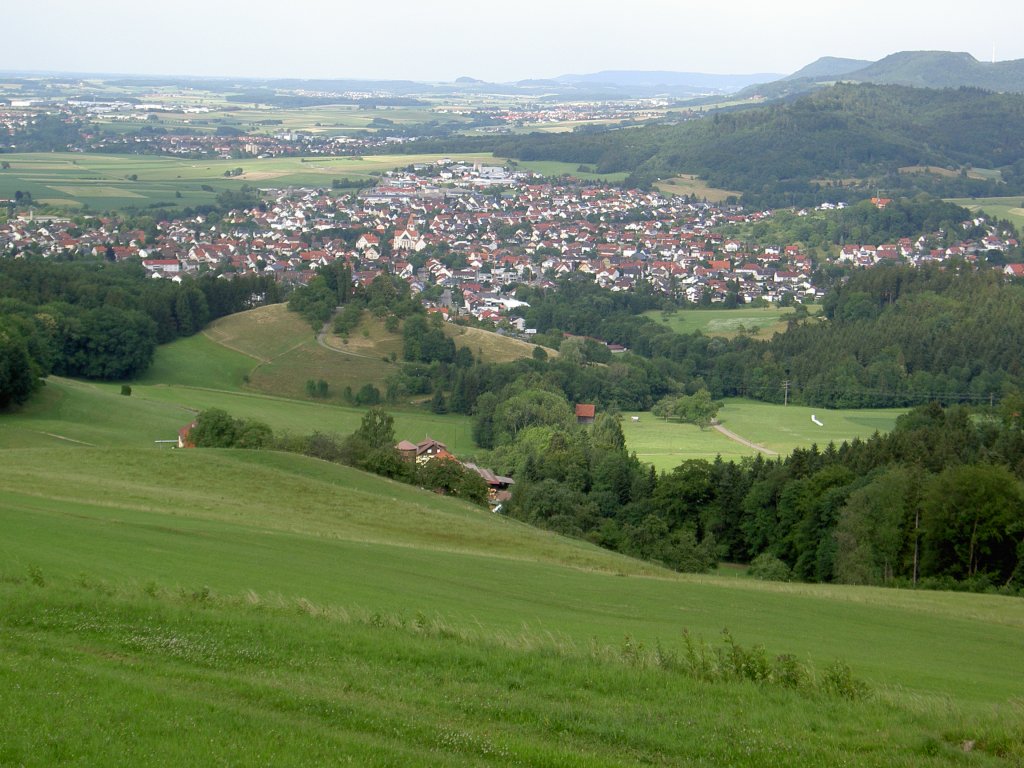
[
  {"x": 101, "y": 320},
  {"x": 937, "y": 503},
  {"x": 837, "y": 143},
  {"x": 889, "y": 336}
]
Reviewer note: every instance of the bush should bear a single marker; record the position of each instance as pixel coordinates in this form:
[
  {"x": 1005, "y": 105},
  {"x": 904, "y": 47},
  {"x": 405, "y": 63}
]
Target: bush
[{"x": 768, "y": 567}]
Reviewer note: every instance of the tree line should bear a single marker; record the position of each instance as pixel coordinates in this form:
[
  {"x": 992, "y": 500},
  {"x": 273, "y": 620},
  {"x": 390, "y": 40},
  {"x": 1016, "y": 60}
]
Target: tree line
[
  {"x": 100, "y": 320},
  {"x": 936, "y": 503},
  {"x": 891, "y": 336}
]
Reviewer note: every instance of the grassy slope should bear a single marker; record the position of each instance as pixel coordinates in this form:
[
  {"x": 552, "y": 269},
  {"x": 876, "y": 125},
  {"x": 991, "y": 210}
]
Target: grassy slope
[
  {"x": 255, "y": 596},
  {"x": 783, "y": 428},
  {"x": 283, "y": 524},
  {"x": 217, "y": 603},
  {"x": 177, "y": 681}
]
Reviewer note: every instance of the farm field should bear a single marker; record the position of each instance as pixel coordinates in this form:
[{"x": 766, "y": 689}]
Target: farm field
[
  {"x": 778, "y": 429},
  {"x": 103, "y": 182},
  {"x": 666, "y": 444},
  {"x": 1010, "y": 208},
  {"x": 689, "y": 184},
  {"x": 783, "y": 428},
  {"x": 760, "y": 322},
  {"x": 558, "y": 168},
  {"x": 254, "y": 596}
]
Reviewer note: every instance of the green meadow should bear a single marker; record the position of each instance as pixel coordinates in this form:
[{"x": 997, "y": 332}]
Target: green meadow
[
  {"x": 228, "y": 606},
  {"x": 166, "y": 606},
  {"x": 760, "y": 322},
  {"x": 1009, "y": 208},
  {"x": 777, "y": 429}
]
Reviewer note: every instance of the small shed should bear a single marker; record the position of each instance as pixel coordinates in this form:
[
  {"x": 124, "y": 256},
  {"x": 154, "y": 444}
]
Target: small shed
[{"x": 585, "y": 413}]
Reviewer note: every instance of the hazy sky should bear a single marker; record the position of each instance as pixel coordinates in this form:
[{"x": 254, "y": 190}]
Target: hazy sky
[{"x": 497, "y": 41}]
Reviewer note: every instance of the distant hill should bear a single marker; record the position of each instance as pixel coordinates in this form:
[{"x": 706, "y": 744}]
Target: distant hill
[
  {"x": 828, "y": 67},
  {"x": 942, "y": 69},
  {"x": 787, "y": 153},
  {"x": 696, "y": 81},
  {"x": 918, "y": 69}
]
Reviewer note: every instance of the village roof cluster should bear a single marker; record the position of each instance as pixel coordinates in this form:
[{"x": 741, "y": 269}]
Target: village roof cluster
[{"x": 476, "y": 231}]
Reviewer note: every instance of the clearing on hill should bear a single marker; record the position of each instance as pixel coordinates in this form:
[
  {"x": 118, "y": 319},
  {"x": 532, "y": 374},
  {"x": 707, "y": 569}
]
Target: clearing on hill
[{"x": 491, "y": 347}]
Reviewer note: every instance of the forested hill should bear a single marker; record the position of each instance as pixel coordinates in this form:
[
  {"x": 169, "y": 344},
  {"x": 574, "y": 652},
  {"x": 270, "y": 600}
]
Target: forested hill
[
  {"x": 918, "y": 69},
  {"x": 794, "y": 153},
  {"x": 891, "y": 336}
]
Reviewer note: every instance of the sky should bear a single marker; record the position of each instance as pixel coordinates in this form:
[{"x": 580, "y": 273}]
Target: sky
[{"x": 440, "y": 40}]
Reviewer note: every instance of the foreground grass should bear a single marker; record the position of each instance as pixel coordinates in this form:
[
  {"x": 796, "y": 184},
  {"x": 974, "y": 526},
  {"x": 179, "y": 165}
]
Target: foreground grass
[
  {"x": 237, "y": 521},
  {"x": 238, "y": 607},
  {"x": 97, "y": 675}
]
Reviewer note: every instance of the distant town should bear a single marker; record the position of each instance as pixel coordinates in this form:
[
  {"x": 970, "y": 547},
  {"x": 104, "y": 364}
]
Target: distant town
[{"x": 471, "y": 233}]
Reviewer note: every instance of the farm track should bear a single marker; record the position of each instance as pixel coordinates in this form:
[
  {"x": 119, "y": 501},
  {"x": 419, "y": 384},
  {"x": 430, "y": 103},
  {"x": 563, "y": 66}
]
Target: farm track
[
  {"x": 321, "y": 339},
  {"x": 743, "y": 441}
]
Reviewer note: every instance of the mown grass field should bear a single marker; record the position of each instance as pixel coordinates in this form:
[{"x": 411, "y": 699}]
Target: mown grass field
[
  {"x": 776, "y": 428},
  {"x": 1010, "y": 208},
  {"x": 783, "y": 428},
  {"x": 689, "y": 184},
  {"x": 258, "y": 607},
  {"x": 759, "y": 322},
  {"x": 666, "y": 444},
  {"x": 103, "y": 182}
]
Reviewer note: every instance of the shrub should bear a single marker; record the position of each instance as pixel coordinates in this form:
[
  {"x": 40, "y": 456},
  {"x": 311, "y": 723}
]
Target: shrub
[{"x": 768, "y": 567}]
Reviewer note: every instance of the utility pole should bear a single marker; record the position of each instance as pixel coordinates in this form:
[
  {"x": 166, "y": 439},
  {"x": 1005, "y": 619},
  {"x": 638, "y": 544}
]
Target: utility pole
[{"x": 785, "y": 386}]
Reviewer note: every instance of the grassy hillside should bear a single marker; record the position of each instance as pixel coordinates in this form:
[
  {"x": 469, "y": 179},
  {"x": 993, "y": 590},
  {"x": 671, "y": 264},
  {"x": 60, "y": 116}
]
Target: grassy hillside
[
  {"x": 284, "y": 352},
  {"x": 491, "y": 347},
  {"x": 252, "y": 597},
  {"x": 69, "y": 412}
]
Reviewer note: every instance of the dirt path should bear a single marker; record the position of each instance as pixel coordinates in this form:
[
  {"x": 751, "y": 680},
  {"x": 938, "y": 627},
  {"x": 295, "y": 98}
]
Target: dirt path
[
  {"x": 743, "y": 441},
  {"x": 235, "y": 349},
  {"x": 321, "y": 339}
]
